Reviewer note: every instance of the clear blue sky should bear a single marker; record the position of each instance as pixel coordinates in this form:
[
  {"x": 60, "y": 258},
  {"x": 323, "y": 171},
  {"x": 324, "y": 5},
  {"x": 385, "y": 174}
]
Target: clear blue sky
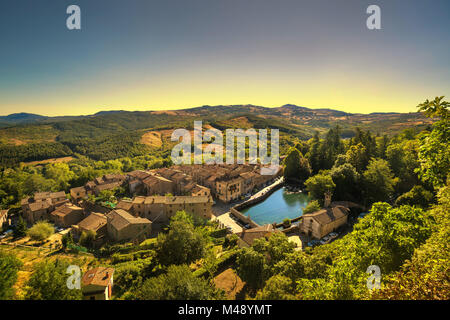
[{"x": 168, "y": 54}]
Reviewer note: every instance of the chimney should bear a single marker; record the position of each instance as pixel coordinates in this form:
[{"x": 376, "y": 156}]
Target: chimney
[{"x": 327, "y": 200}]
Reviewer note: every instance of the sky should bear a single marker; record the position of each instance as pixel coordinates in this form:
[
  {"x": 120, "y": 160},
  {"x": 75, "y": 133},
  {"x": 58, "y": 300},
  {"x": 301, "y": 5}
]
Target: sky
[{"x": 173, "y": 54}]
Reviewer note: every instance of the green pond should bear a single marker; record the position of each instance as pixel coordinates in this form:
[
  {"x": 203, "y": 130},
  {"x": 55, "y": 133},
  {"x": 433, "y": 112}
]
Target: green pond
[{"x": 278, "y": 206}]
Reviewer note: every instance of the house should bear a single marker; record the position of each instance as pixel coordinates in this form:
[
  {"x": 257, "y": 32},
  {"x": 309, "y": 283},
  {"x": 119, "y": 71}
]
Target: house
[
  {"x": 54, "y": 197},
  {"x": 67, "y": 215},
  {"x": 199, "y": 206},
  {"x": 41, "y": 204},
  {"x": 122, "y": 226},
  {"x": 78, "y": 193},
  {"x": 97, "y": 284},
  {"x": 320, "y": 223},
  {"x": 229, "y": 189},
  {"x": 106, "y": 186},
  {"x": 247, "y": 237},
  {"x": 106, "y": 182},
  {"x": 156, "y": 185},
  {"x": 95, "y": 222},
  {"x": 161, "y": 208}
]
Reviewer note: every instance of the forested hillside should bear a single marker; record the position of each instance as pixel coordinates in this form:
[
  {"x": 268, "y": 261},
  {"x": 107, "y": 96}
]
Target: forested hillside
[{"x": 111, "y": 135}]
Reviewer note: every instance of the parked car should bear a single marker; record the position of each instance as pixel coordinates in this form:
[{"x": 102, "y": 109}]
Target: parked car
[
  {"x": 313, "y": 243},
  {"x": 333, "y": 235}
]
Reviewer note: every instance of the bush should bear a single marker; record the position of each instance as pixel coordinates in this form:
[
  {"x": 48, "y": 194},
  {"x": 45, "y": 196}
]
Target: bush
[
  {"x": 312, "y": 207},
  {"x": 41, "y": 231}
]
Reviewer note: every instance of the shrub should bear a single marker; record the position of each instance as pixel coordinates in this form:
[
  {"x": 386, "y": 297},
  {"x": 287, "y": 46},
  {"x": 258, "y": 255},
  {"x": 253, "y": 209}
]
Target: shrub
[
  {"x": 41, "y": 231},
  {"x": 312, "y": 207}
]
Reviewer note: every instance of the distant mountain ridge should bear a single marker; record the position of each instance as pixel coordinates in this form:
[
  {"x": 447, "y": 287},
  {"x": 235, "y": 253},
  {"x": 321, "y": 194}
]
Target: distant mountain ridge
[{"x": 22, "y": 117}]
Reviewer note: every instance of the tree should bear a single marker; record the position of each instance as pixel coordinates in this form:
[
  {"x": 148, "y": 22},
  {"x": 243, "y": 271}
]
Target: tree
[
  {"x": 67, "y": 240},
  {"x": 426, "y": 276},
  {"x": 417, "y": 196},
  {"x": 312, "y": 206},
  {"x": 9, "y": 266},
  {"x": 297, "y": 167},
  {"x": 20, "y": 230},
  {"x": 347, "y": 181},
  {"x": 318, "y": 185},
  {"x": 251, "y": 268},
  {"x": 379, "y": 181},
  {"x": 49, "y": 282},
  {"x": 357, "y": 156},
  {"x": 41, "y": 231},
  {"x": 87, "y": 238},
  {"x": 313, "y": 155},
  {"x": 403, "y": 160},
  {"x": 60, "y": 173},
  {"x": 277, "y": 287},
  {"x": 434, "y": 153},
  {"x": 182, "y": 244},
  {"x": 177, "y": 284}
]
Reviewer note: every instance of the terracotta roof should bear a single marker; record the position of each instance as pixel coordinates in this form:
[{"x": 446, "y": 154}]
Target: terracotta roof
[
  {"x": 139, "y": 174},
  {"x": 151, "y": 180},
  {"x": 188, "y": 199},
  {"x": 125, "y": 205},
  {"x": 155, "y": 199},
  {"x": 99, "y": 276},
  {"x": 112, "y": 176},
  {"x": 108, "y": 186},
  {"x": 93, "y": 222},
  {"x": 78, "y": 189},
  {"x": 327, "y": 215},
  {"x": 35, "y": 206},
  {"x": 65, "y": 210},
  {"x": 249, "y": 235},
  {"x": 120, "y": 219},
  {"x": 49, "y": 195}
]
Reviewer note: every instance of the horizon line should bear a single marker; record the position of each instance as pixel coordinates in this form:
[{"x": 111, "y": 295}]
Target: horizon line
[{"x": 201, "y": 106}]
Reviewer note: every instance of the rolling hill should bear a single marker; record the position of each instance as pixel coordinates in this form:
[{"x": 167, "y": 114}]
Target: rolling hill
[{"x": 111, "y": 134}]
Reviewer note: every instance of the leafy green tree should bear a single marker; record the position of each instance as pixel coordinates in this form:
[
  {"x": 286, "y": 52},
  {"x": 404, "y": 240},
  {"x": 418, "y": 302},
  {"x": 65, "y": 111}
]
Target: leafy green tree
[
  {"x": 297, "y": 167},
  {"x": 434, "y": 153},
  {"x": 87, "y": 238},
  {"x": 9, "y": 266},
  {"x": 417, "y": 196},
  {"x": 313, "y": 154},
  {"x": 177, "y": 284},
  {"x": 20, "y": 229},
  {"x": 60, "y": 173},
  {"x": 251, "y": 267},
  {"x": 312, "y": 206},
  {"x": 403, "y": 160},
  {"x": 379, "y": 181},
  {"x": 278, "y": 287},
  {"x": 182, "y": 244},
  {"x": 49, "y": 282},
  {"x": 41, "y": 231},
  {"x": 318, "y": 185},
  {"x": 106, "y": 195},
  {"x": 278, "y": 246},
  {"x": 357, "y": 156},
  {"x": 347, "y": 181},
  {"x": 67, "y": 240},
  {"x": 426, "y": 276},
  {"x": 330, "y": 148}
]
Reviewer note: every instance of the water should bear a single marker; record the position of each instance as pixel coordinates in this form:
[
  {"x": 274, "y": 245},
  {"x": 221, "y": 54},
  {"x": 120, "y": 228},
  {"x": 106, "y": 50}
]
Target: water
[{"x": 277, "y": 207}]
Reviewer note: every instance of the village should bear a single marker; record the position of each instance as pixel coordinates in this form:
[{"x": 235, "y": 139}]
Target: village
[
  {"x": 210, "y": 192},
  {"x": 158, "y": 194}
]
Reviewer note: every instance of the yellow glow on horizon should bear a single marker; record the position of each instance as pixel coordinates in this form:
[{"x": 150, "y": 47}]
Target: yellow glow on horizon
[{"x": 353, "y": 93}]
